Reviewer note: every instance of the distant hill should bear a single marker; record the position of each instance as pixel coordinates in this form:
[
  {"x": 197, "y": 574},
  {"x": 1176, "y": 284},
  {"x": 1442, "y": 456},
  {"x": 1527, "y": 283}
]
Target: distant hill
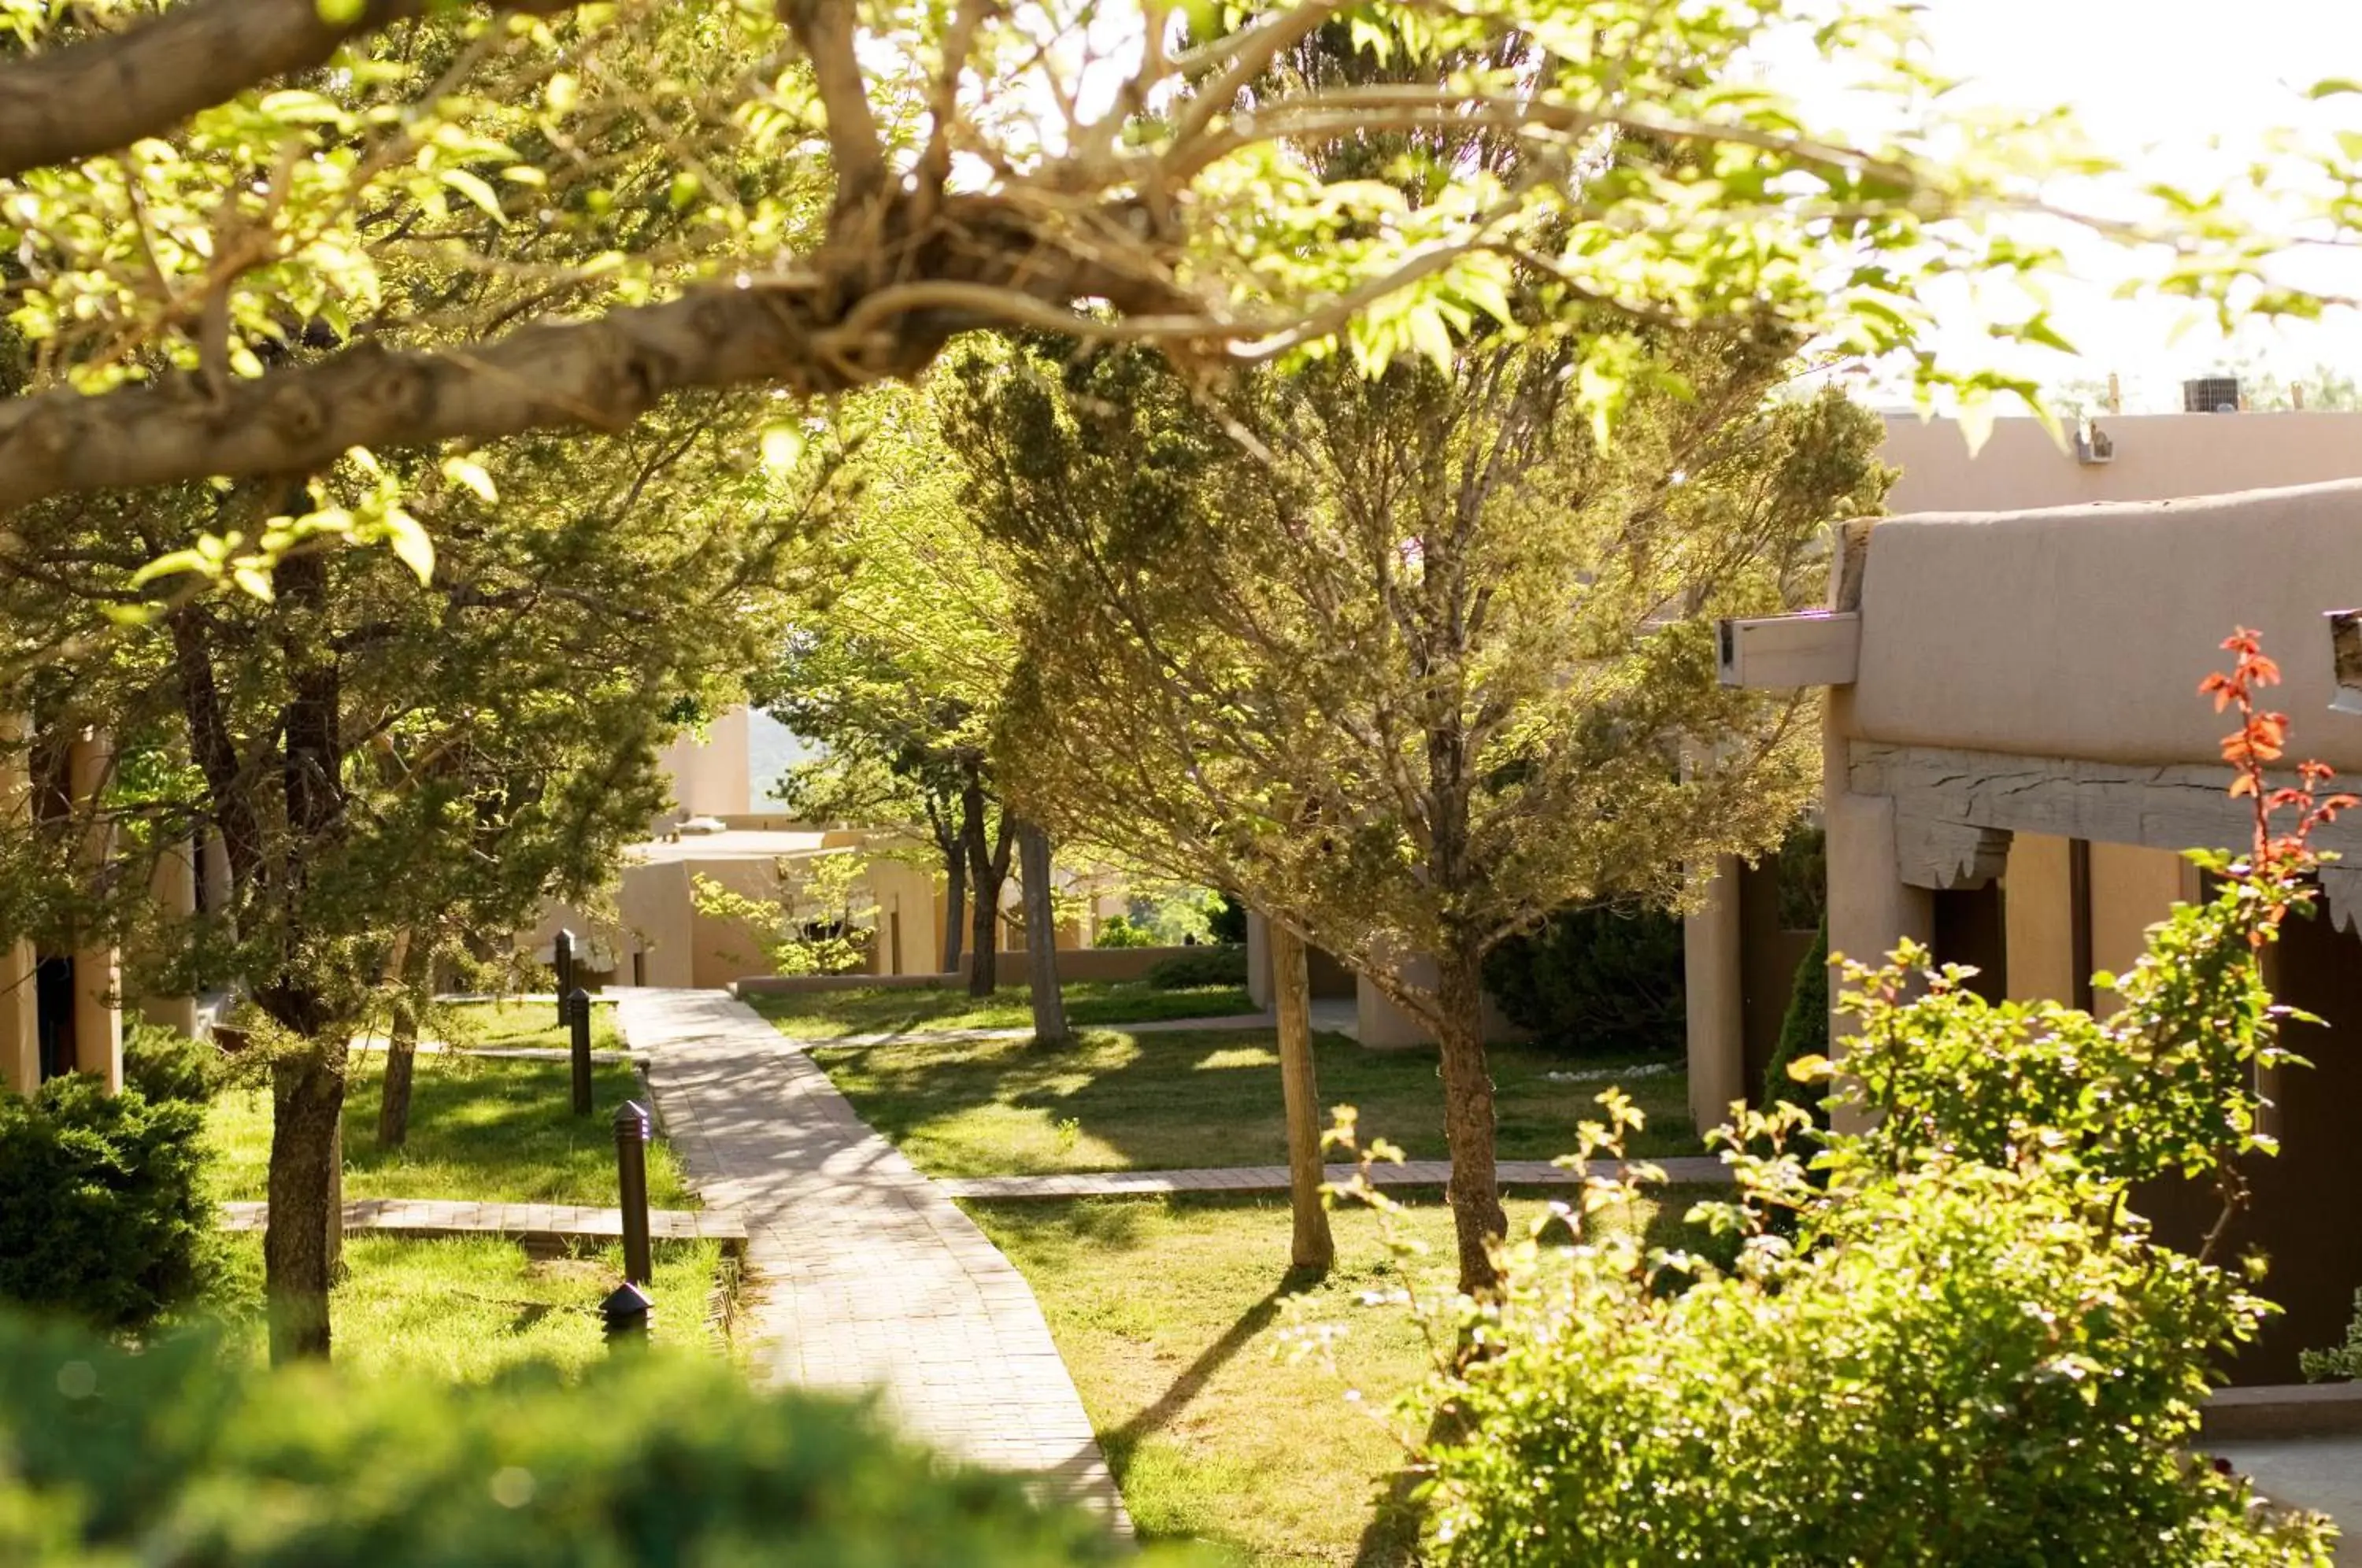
[{"x": 771, "y": 749}]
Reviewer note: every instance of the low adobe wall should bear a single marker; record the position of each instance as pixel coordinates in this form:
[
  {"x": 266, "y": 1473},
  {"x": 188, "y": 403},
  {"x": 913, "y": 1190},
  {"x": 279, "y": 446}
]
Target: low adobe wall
[{"x": 1101, "y": 964}]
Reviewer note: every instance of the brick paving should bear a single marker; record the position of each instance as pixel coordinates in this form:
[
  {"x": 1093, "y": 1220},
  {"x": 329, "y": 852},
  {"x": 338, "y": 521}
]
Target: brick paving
[
  {"x": 861, "y": 1273},
  {"x": 1688, "y": 1169},
  {"x": 526, "y": 1221}
]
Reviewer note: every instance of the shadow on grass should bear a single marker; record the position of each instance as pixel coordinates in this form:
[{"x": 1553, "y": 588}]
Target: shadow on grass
[
  {"x": 1122, "y": 1440},
  {"x": 1189, "y": 1098}
]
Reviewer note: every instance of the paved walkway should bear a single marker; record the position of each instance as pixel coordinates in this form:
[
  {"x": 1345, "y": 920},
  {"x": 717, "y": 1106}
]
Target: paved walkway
[
  {"x": 526, "y": 1221},
  {"x": 1690, "y": 1169},
  {"x": 862, "y": 1274}
]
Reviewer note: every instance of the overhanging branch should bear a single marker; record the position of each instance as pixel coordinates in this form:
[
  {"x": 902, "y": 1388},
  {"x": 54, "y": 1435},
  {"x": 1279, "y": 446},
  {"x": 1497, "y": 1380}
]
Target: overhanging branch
[{"x": 102, "y": 94}]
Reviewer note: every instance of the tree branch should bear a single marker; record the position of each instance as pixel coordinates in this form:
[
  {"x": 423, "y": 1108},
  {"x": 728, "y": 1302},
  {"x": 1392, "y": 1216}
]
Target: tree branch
[{"x": 101, "y": 95}]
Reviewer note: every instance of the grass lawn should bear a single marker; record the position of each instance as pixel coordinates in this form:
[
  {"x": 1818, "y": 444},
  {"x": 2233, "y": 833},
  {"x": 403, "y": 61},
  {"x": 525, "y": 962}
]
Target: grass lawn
[
  {"x": 464, "y": 1309},
  {"x": 1213, "y": 1432},
  {"x": 513, "y": 1024},
  {"x": 481, "y": 1129},
  {"x": 828, "y": 1015},
  {"x": 1158, "y": 1101}
]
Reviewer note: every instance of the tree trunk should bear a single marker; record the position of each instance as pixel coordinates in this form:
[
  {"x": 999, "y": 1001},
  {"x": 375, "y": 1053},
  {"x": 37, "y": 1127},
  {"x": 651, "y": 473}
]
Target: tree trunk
[
  {"x": 402, "y": 1045},
  {"x": 1041, "y": 937},
  {"x": 954, "y": 907},
  {"x": 987, "y": 869},
  {"x": 303, "y": 1244},
  {"x": 1477, "y": 1218},
  {"x": 1300, "y": 1086}
]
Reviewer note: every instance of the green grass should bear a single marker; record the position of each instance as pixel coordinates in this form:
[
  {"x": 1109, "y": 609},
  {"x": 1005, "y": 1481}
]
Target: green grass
[
  {"x": 1164, "y": 1101},
  {"x": 514, "y": 1023},
  {"x": 1213, "y": 1431},
  {"x": 481, "y": 1129},
  {"x": 466, "y": 1309},
  {"x": 831, "y": 1014}
]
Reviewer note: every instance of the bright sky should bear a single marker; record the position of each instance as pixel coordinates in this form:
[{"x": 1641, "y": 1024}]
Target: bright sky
[{"x": 2153, "y": 81}]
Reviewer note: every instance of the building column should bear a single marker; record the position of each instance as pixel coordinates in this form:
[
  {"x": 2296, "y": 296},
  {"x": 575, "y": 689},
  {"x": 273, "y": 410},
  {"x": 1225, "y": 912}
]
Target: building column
[
  {"x": 98, "y": 966},
  {"x": 1872, "y": 908},
  {"x": 20, "y": 1017},
  {"x": 1259, "y": 989},
  {"x": 214, "y": 868},
  {"x": 174, "y": 887},
  {"x": 1714, "y": 999}
]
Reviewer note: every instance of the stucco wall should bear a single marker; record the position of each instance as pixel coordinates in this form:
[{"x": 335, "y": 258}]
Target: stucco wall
[
  {"x": 2084, "y": 632},
  {"x": 2037, "y": 905},
  {"x": 712, "y": 778},
  {"x": 2159, "y": 456}
]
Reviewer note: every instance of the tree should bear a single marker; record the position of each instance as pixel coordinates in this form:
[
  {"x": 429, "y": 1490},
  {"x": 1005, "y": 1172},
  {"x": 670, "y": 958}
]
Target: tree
[
  {"x": 184, "y": 195},
  {"x": 1427, "y": 671},
  {"x": 392, "y": 750}
]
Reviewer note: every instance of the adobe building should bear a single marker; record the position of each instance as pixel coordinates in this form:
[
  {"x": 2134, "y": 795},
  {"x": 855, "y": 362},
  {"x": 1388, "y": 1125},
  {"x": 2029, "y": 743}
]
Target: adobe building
[
  {"x": 1753, "y": 926},
  {"x": 62, "y": 1006},
  {"x": 2015, "y": 755}
]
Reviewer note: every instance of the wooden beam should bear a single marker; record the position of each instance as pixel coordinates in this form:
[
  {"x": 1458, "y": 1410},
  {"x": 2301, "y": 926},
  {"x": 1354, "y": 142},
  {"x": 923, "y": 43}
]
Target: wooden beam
[{"x": 1819, "y": 647}]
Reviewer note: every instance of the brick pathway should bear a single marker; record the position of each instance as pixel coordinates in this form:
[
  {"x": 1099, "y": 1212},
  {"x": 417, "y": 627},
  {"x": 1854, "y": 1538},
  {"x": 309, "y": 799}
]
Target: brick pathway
[
  {"x": 526, "y": 1221},
  {"x": 862, "y": 1274},
  {"x": 1691, "y": 1169}
]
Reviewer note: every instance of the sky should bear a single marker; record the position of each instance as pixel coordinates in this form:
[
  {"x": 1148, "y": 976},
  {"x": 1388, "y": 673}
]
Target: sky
[{"x": 2151, "y": 81}]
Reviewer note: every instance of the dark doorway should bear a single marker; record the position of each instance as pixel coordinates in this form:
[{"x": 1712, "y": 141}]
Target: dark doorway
[
  {"x": 53, "y": 990},
  {"x": 1972, "y": 928}
]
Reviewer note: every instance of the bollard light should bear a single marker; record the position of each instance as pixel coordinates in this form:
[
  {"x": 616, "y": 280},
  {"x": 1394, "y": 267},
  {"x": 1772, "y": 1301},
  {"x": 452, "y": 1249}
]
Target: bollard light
[
  {"x": 577, "y": 1019},
  {"x": 562, "y": 960},
  {"x": 632, "y": 1188},
  {"x": 626, "y": 1312}
]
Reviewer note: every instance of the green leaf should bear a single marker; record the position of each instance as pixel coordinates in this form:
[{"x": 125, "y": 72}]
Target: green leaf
[
  {"x": 179, "y": 561},
  {"x": 341, "y": 14},
  {"x": 410, "y": 541},
  {"x": 476, "y": 189},
  {"x": 470, "y": 474}
]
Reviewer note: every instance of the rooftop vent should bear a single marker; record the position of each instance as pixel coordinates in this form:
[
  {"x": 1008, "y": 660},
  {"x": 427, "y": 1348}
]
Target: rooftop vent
[{"x": 2211, "y": 394}]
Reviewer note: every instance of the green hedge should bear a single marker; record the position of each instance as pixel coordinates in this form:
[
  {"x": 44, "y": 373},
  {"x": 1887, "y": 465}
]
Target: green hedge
[
  {"x": 1804, "y": 1031},
  {"x": 1595, "y": 980},
  {"x": 102, "y": 1213},
  {"x": 166, "y": 1065},
  {"x": 1199, "y": 969},
  {"x": 169, "y": 1457}
]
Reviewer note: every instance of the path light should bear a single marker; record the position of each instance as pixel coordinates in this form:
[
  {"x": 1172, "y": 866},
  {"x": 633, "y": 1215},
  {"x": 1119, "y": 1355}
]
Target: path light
[
  {"x": 626, "y": 1313},
  {"x": 632, "y": 1183},
  {"x": 561, "y": 956},
  {"x": 577, "y": 1007}
]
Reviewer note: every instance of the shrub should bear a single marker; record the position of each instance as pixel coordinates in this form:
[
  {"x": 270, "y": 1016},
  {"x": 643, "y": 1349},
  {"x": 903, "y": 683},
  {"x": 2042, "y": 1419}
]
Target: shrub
[
  {"x": 171, "y": 1456},
  {"x": 1804, "y": 1033},
  {"x": 104, "y": 1217},
  {"x": 1599, "y": 979},
  {"x": 2344, "y": 1362},
  {"x": 1199, "y": 969},
  {"x": 1118, "y": 930},
  {"x": 166, "y": 1065},
  {"x": 1952, "y": 1339},
  {"x": 1226, "y": 918}
]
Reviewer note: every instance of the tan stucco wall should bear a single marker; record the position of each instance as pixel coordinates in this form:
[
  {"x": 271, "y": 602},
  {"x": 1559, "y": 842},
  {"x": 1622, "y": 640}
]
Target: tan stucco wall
[
  {"x": 2084, "y": 633},
  {"x": 2159, "y": 456},
  {"x": 2133, "y": 888},
  {"x": 2037, "y": 905},
  {"x": 712, "y": 778}
]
